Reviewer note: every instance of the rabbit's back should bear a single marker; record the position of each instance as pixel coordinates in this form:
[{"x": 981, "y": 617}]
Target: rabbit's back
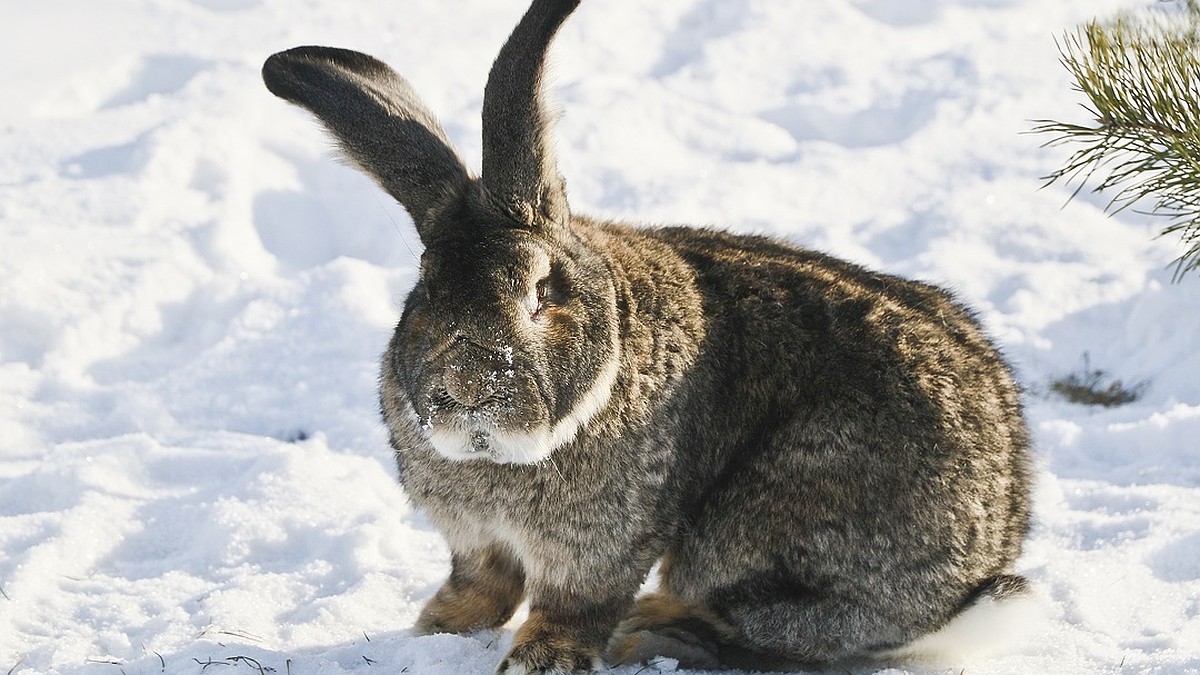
[{"x": 860, "y": 459}]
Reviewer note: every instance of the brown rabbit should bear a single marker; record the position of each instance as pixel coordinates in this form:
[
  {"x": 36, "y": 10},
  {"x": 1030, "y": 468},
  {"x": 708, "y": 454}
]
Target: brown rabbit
[{"x": 829, "y": 462}]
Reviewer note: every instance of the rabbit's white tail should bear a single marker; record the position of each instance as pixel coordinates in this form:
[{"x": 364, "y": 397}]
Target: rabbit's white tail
[{"x": 1002, "y": 612}]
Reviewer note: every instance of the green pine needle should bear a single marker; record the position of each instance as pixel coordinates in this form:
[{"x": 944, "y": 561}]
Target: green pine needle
[{"x": 1141, "y": 77}]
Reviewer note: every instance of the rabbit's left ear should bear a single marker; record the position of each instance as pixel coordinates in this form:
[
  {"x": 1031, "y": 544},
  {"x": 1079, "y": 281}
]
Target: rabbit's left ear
[
  {"x": 519, "y": 166},
  {"x": 378, "y": 121}
]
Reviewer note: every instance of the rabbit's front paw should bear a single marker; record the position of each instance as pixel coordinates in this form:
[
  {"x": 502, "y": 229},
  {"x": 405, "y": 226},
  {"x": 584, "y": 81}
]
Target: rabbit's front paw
[
  {"x": 545, "y": 647},
  {"x": 463, "y": 609},
  {"x": 548, "y": 659},
  {"x": 483, "y": 590}
]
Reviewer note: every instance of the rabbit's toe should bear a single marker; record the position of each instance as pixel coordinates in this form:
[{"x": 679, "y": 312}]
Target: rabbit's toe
[
  {"x": 546, "y": 646},
  {"x": 546, "y": 659}
]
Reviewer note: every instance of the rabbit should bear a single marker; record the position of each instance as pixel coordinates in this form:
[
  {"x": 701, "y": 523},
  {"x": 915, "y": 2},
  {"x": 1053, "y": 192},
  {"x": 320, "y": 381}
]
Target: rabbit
[{"x": 825, "y": 462}]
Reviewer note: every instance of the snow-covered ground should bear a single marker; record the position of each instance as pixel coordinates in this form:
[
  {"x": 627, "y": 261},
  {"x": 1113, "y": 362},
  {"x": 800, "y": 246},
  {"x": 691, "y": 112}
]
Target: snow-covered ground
[{"x": 194, "y": 294}]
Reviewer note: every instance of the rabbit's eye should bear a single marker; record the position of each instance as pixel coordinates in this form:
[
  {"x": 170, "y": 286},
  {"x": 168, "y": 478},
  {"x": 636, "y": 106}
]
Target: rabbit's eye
[
  {"x": 536, "y": 300},
  {"x": 540, "y": 297}
]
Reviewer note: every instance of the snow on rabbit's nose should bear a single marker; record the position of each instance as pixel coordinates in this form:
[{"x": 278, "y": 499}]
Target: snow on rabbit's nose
[
  {"x": 476, "y": 376},
  {"x": 467, "y": 388}
]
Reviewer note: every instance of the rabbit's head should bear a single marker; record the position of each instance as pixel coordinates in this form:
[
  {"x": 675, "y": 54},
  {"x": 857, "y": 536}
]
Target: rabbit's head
[{"x": 508, "y": 342}]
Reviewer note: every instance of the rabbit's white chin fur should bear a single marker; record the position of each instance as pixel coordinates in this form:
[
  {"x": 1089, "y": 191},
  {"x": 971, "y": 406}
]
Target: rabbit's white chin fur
[
  {"x": 528, "y": 446},
  {"x": 501, "y": 447}
]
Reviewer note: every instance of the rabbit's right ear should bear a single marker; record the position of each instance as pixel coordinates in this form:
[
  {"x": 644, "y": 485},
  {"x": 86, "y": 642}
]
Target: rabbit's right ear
[{"x": 378, "y": 121}]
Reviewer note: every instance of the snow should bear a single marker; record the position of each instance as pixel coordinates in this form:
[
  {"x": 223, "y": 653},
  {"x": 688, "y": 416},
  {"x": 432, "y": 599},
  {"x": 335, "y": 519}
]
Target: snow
[{"x": 194, "y": 294}]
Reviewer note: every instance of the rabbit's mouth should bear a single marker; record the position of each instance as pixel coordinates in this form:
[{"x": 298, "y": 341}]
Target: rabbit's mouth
[
  {"x": 469, "y": 416},
  {"x": 494, "y": 429},
  {"x": 496, "y": 408},
  {"x": 492, "y": 444}
]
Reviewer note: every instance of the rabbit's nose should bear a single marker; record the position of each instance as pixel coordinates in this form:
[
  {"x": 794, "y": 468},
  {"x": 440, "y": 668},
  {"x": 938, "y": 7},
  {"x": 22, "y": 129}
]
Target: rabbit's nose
[
  {"x": 470, "y": 388},
  {"x": 465, "y": 387}
]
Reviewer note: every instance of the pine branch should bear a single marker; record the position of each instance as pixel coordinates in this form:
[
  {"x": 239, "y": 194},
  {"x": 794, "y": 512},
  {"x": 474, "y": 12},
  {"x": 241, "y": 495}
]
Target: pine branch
[{"x": 1141, "y": 78}]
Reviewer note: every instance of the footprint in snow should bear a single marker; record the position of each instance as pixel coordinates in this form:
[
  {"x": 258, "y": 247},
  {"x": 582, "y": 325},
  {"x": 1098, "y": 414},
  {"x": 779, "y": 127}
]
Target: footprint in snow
[
  {"x": 157, "y": 74},
  {"x": 706, "y": 22},
  {"x": 899, "y": 14},
  {"x": 227, "y": 5},
  {"x": 122, "y": 159},
  {"x": 1178, "y": 561},
  {"x": 871, "y": 127}
]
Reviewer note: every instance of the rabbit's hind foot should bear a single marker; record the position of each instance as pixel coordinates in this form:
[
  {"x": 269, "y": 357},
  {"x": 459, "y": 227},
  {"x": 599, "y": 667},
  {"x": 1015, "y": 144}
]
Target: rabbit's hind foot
[{"x": 660, "y": 625}]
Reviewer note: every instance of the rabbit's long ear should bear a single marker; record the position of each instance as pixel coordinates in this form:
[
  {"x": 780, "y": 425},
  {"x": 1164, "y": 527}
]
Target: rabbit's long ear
[
  {"x": 376, "y": 118},
  {"x": 519, "y": 164}
]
